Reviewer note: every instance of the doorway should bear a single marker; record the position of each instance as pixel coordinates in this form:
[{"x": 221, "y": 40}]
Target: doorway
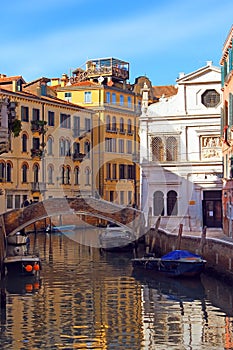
[{"x": 212, "y": 208}]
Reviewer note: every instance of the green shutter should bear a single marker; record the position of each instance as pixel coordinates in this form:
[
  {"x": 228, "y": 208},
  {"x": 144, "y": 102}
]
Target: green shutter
[
  {"x": 230, "y": 110},
  {"x": 230, "y": 59}
]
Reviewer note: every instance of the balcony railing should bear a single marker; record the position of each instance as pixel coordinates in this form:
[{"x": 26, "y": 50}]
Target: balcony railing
[
  {"x": 78, "y": 156},
  {"x": 38, "y": 126},
  {"x": 36, "y": 153}
]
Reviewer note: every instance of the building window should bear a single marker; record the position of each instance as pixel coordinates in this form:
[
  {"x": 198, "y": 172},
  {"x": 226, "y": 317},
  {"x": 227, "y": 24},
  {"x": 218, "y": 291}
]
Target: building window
[
  {"x": 87, "y": 149},
  {"x": 51, "y": 118},
  {"x": 65, "y": 120},
  {"x": 129, "y": 146},
  {"x": 87, "y": 97},
  {"x": 67, "y": 148},
  {"x": 50, "y": 174},
  {"x": 108, "y": 123},
  {"x": 122, "y": 125},
  {"x": 24, "y": 173},
  {"x": 114, "y": 98},
  {"x": 17, "y": 201},
  {"x": 87, "y": 173},
  {"x": 108, "y": 97},
  {"x": 62, "y": 147},
  {"x": 24, "y": 143},
  {"x": 121, "y": 100},
  {"x": 129, "y": 127},
  {"x": 114, "y": 171},
  {"x": 158, "y": 203},
  {"x": 35, "y": 114},
  {"x": 24, "y": 114},
  {"x": 67, "y": 175},
  {"x": 130, "y": 172},
  {"x": 8, "y": 172},
  {"x": 157, "y": 149},
  {"x": 210, "y": 98},
  {"x": 111, "y": 196},
  {"x": 130, "y": 198},
  {"x": 36, "y": 173},
  {"x": 87, "y": 124},
  {"x": 76, "y": 129},
  {"x": 121, "y": 171},
  {"x": 50, "y": 146},
  {"x": 114, "y": 128},
  {"x": 76, "y": 175},
  {"x": 2, "y": 172},
  {"x": 121, "y": 146},
  {"x": 68, "y": 96},
  {"x": 122, "y": 197},
  {"x": 9, "y": 201},
  {"x": 108, "y": 171},
  {"x": 36, "y": 143},
  {"x": 129, "y": 102},
  {"x": 171, "y": 149},
  {"x": 172, "y": 203}
]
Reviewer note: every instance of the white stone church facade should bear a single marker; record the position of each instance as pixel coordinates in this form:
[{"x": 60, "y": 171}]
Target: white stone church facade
[{"x": 180, "y": 153}]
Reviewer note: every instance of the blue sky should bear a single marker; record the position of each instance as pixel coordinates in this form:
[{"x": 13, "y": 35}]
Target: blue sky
[{"x": 158, "y": 38}]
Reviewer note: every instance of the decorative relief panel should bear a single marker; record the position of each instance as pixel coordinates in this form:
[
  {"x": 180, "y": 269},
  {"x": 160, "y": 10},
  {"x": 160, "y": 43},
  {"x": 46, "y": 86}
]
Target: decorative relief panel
[{"x": 211, "y": 147}]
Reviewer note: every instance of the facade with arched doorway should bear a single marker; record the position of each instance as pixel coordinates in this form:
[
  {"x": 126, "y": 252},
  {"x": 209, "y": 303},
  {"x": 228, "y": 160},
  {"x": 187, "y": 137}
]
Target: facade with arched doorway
[{"x": 181, "y": 153}]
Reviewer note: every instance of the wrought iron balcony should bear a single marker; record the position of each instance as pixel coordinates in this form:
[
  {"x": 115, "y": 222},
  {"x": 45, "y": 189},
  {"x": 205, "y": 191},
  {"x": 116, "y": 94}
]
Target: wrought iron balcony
[
  {"x": 38, "y": 126},
  {"x": 78, "y": 156},
  {"x": 36, "y": 153}
]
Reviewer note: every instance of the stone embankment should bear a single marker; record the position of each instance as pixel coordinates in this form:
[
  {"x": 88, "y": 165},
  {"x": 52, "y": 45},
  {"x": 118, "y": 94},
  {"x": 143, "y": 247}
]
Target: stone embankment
[{"x": 212, "y": 244}]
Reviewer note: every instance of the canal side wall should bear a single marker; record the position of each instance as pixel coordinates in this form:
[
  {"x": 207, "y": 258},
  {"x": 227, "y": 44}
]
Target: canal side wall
[{"x": 217, "y": 252}]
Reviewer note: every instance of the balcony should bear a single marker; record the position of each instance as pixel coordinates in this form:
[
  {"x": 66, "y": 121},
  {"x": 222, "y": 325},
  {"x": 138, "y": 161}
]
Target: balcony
[
  {"x": 38, "y": 187},
  {"x": 78, "y": 156},
  {"x": 36, "y": 153},
  {"x": 38, "y": 126}
]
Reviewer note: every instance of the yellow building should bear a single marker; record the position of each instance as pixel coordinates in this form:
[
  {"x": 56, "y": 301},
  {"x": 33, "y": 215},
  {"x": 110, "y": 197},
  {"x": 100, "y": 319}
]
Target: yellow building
[
  {"x": 103, "y": 87},
  {"x": 48, "y": 158}
]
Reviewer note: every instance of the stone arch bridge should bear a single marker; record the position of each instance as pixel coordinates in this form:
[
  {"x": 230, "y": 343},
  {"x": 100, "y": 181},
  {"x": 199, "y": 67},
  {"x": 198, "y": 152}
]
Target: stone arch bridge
[{"x": 18, "y": 219}]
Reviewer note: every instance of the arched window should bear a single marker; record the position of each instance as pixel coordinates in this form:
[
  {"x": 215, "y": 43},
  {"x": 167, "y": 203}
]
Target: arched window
[
  {"x": 122, "y": 125},
  {"x": 76, "y": 148},
  {"x": 36, "y": 173},
  {"x": 114, "y": 128},
  {"x": 8, "y": 172},
  {"x": 67, "y": 148},
  {"x": 158, "y": 203},
  {"x": 108, "y": 123},
  {"x": 62, "y": 147},
  {"x": 50, "y": 146},
  {"x": 67, "y": 175},
  {"x": 2, "y": 172},
  {"x": 76, "y": 175},
  {"x": 50, "y": 174},
  {"x": 63, "y": 175},
  {"x": 157, "y": 149},
  {"x": 87, "y": 173},
  {"x": 24, "y": 173},
  {"x": 87, "y": 149},
  {"x": 24, "y": 143},
  {"x": 171, "y": 148},
  {"x": 172, "y": 203},
  {"x": 129, "y": 126}
]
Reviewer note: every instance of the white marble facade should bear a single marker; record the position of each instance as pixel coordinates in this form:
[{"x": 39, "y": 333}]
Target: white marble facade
[{"x": 180, "y": 152}]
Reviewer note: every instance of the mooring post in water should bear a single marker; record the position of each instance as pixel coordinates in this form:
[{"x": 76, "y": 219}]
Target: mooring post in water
[
  {"x": 155, "y": 232},
  {"x": 203, "y": 240},
  {"x": 178, "y": 245},
  {"x": 2, "y": 250}
]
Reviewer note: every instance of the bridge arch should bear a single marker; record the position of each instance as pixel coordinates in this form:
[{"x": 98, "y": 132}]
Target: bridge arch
[{"x": 128, "y": 217}]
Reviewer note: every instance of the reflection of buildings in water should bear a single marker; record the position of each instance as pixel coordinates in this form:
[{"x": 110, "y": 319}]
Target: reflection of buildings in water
[{"x": 173, "y": 314}]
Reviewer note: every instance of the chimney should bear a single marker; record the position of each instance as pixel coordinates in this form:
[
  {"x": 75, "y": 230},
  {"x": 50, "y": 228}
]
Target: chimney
[{"x": 64, "y": 80}]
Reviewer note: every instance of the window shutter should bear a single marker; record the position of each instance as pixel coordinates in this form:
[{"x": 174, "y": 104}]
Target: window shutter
[
  {"x": 230, "y": 109},
  {"x": 230, "y": 59}
]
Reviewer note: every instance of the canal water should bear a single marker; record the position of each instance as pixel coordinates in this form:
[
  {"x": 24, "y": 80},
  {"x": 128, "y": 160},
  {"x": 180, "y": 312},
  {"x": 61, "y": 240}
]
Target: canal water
[{"x": 87, "y": 299}]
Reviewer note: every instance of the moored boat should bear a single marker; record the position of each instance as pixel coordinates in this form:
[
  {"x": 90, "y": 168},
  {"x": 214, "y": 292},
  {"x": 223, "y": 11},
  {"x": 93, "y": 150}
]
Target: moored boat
[
  {"x": 117, "y": 238},
  {"x": 178, "y": 263}
]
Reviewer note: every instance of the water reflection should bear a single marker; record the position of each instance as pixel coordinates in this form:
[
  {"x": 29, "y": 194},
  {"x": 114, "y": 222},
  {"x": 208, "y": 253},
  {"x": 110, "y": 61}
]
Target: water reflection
[{"x": 89, "y": 300}]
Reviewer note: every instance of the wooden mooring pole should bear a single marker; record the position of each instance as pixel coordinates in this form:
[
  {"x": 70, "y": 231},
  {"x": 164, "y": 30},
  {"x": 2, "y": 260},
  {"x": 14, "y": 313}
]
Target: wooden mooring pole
[{"x": 178, "y": 244}]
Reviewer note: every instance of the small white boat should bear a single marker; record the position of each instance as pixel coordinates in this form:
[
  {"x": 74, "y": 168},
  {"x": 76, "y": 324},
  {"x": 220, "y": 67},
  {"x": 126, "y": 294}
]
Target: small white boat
[
  {"x": 60, "y": 228},
  {"x": 117, "y": 238}
]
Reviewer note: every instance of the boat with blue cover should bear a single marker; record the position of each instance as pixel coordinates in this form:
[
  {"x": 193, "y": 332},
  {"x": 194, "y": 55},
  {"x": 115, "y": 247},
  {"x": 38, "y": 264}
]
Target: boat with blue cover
[{"x": 177, "y": 263}]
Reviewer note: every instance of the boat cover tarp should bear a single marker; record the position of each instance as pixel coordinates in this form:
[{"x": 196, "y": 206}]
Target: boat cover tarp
[{"x": 179, "y": 254}]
